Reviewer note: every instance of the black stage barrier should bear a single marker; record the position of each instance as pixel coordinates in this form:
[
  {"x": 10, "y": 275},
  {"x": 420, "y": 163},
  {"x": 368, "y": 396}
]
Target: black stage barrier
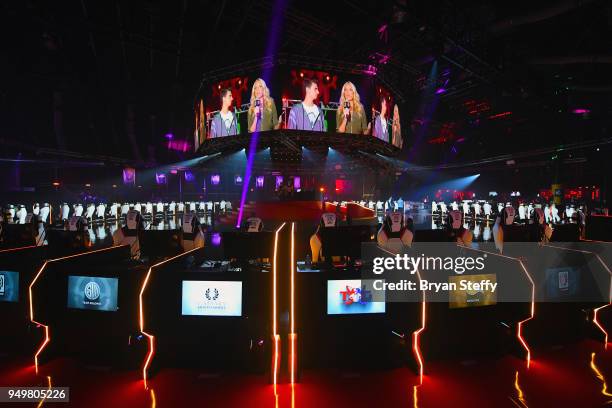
[
  {"x": 209, "y": 318},
  {"x": 344, "y": 241},
  {"x": 599, "y": 228},
  {"x": 247, "y": 245},
  {"x": 19, "y": 235},
  {"x": 17, "y": 269},
  {"x": 565, "y": 233},
  {"x": 63, "y": 243},
  {"x": 156, "y": 245},
  {"x": 89, "y": 302}
]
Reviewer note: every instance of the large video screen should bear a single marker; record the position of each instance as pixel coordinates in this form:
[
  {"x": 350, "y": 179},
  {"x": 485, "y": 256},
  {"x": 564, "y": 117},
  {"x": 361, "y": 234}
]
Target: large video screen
[
  {"x": 9, "y": 286},
  {"x": 211, "y": 298},
  {"x": 297, "y": 98},
  {"x": 472, "y": 291},
  {"x": 561, "y": 282},
  {"x": 352, "y": 296},
  {"x": 93, "y": 293}
]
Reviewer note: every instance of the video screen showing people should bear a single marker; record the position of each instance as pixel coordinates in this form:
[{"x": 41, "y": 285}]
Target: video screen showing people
[
  {"x": 298, "y": 99},
  {"x": 472, "y": 291},
  {"x": 9, "y": 286},
  {"x": 211, "y": 298},
  {"x": 353, "y": 296},
  {"x": 93, "y": 293}
]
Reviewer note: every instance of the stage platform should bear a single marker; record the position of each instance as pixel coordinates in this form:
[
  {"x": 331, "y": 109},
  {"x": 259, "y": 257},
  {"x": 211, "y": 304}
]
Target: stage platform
[{"x": 296, "y": 139}]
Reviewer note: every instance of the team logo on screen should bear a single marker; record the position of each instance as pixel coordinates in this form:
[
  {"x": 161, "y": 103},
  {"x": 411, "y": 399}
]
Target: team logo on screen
[
  {"x": 356, "y": 295},
  {"x": 564, "y": 280},
  {"x": 2, "y": 284},
  {"x": 211, "y": 294},
  {"x": 92, "y": 291}
]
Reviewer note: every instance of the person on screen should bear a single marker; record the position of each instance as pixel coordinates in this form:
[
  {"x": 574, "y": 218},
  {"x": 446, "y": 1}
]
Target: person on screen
[
  {"x": 306, "y": 115},
  {"x": 224, "y": 122},
  {"x": 262, "y": 112},
  {"x": 381, "y": 124},
  {"x": 396, "y": 130},
  {"x": 351, "y": 117}
]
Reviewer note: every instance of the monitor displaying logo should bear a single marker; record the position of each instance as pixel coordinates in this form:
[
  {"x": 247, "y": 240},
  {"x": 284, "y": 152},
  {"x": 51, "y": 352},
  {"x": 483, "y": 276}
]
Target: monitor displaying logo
[
  {"x": 93, "y": 293},
  {"x": 562, "y": 282},
  {"x": 211, "y": 298},
  {"x": 462, "y": 298},
  {"x": 353, "y": 296},
  {"x": 9, "y": 286}
]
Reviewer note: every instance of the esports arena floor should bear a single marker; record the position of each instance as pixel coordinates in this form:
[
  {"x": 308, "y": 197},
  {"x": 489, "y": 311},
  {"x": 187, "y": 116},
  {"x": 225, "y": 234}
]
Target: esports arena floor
[{"x": 562, "y": 376}]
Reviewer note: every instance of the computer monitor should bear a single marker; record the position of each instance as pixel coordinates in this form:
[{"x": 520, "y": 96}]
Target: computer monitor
[
  {"x": 211, "y": 298},
  {"x": 9, "y": 286},
  {"x": 353, "y": 296},
  {"x": 471, "y": 291},
  {"x": 93, "y": 293},
  {"x": 562, "y": 283}
]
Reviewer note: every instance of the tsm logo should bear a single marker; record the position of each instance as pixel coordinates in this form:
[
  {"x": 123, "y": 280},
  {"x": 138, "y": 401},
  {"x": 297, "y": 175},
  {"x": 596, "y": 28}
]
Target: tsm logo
[
  {"x": 92, "y": 291},
  {"x": 212, "y": 294}
]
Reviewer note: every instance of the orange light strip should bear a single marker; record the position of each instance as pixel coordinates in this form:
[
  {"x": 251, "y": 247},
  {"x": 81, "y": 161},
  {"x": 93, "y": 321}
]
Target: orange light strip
[
  {"x": 293, "y": 334},
  {"x": 151, "y": 337},
  {"x": 598, "y": 374},
  {"x": 2, "y": 251},
  {"x": 416, "y": 345},
  {"x": 153, "y": 399},
  {"x": 519, "y": 391},
  {"x": 50, "y": 386},
  {"x": 595, "y": 311},
  {"x": 276, "y": 359},
  {"x": 31, "y": 298},
  {"x": 596, "y": 322},
  {"x": 519, "y": 331},
  {"x": 275, "y": 335}
]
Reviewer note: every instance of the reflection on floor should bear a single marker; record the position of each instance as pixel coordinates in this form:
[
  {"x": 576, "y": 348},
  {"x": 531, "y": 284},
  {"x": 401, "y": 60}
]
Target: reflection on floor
[{"x": 570, "y": 375}]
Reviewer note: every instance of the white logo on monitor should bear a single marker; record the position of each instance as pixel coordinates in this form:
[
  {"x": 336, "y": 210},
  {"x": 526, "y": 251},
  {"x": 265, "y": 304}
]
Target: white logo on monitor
[
  {"x": 212, "y": 294},
  {"x": 92, "y": 291},
  {"x": 2, "y": 285}
]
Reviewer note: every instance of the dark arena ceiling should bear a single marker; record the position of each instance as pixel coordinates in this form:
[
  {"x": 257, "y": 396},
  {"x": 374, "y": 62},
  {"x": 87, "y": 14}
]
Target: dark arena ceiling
[{"x": 104, "y": 81}]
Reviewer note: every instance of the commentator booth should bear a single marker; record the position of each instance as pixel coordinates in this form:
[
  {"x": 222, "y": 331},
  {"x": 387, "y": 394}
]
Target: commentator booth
[
  {"x": 210, "y": 308},
  {"x": 18, "y": 267},
  {"x": 341, "y": 320},
  {"x": 88, "y": 306},
  {"x": 465, "y": 316}
]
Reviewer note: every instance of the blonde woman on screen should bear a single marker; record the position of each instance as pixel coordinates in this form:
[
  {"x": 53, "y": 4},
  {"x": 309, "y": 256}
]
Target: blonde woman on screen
[
  {"x": 351, "y": 117},
  {"x": 262, "y": 112},
  {"x": 396, "y": 131}
]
